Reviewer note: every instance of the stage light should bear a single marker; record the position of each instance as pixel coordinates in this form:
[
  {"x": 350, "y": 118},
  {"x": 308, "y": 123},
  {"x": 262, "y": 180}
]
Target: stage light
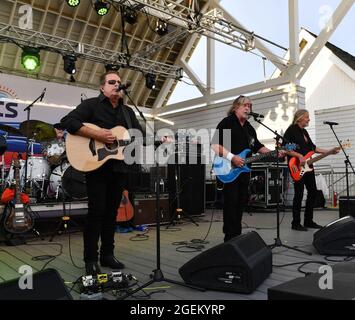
[
  {"x": 69, "y": 64},
  {"x": 101, "y": 7},
  {"x": 161, "y": 27},
  {"x": 30, "y": 58},
  {"x": 73, "y": 3},
  {"x": 111, "y": 66},
  {"x": 130, "y": 15},
  {"x": 150, "y": 80}
]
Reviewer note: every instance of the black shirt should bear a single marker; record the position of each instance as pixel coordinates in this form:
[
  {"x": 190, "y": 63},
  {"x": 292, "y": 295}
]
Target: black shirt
[
  {"x": 99, "y": 111},
  {"x": 242, "y": 137},
  {"x": 295, "y": 134}
]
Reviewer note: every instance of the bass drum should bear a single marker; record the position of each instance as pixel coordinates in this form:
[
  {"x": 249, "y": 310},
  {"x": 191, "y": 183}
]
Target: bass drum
[{"x": 65, "y": 178}]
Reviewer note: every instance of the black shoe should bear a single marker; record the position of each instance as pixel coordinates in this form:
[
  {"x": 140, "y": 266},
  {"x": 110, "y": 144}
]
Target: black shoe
[
  {"x": 92, "y": 268},
  {"x": 111, "y": 262},
  {"x": 312, "y": 225},
  {"x": 299, "y": 227}
]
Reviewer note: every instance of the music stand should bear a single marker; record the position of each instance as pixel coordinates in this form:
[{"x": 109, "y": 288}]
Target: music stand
[
  {"x": 157, "y": 275},
  {"x": 278, "y": 243},
  {"x": 347, "y": 164}
]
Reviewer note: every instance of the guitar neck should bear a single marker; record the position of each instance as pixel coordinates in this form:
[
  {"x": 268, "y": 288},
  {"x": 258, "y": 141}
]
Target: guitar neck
[
  {"x": 319, "y": 157},
  {"x": 260, "y": 156}
]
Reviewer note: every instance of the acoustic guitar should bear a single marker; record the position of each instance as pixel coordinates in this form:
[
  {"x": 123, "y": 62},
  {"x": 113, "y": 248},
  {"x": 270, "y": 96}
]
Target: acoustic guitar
[
  {"x": 125, "y": 212},
  {"x": 88, "y": 154}
]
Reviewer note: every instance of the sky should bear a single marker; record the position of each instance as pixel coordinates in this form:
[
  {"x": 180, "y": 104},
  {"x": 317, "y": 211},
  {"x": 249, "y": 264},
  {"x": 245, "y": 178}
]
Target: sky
[{"x": 269, "y": 19}]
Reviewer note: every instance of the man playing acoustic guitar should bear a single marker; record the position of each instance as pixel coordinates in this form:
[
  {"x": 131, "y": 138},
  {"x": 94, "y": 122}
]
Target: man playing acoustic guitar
[
  {"x": 104, "y": 184},
  {"x": 296, "y": 133}
]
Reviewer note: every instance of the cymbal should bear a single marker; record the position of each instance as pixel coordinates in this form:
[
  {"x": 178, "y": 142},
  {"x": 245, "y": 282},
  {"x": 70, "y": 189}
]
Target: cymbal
[
  {"x": 37, "y": 130},
  {"x": 10, "y": 130}
]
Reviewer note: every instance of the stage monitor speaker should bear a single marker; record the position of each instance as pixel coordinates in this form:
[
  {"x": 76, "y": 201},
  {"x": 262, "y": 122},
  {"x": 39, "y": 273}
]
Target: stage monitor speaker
[
  {"x": 346, "y": 208},
  {"x": 307, "y": 288},
  {"x": 46, "y": 285},
  {"x": 192, "y": 187},
  {"x": 336, "y": 238},
  {"x": 238, "y": 265}
]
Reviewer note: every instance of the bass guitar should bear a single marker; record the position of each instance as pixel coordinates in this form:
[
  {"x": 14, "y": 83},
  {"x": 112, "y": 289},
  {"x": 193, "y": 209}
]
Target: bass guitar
[
  {"x": 18, "y": 219},
  {"x": 297, "y": 171},
  {"x": 227, "y": 172}
]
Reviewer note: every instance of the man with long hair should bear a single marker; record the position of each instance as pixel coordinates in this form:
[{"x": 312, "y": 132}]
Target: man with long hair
[
  {"x": 296, "y": 133},
  {"x": 242, "y": 136}
]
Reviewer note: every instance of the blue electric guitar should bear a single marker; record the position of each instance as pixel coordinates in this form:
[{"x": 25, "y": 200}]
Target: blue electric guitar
[{"x": 226, "y": 172}]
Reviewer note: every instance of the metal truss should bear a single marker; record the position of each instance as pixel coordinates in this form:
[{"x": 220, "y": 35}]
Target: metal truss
[
  {"x": 43, "y": 41},
  {"x": 210, "y": 24}
]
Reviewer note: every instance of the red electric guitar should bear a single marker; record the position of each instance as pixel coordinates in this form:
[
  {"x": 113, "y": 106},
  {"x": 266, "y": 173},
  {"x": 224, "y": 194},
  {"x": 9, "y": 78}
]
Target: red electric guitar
[{"x": 297, "y": 171}]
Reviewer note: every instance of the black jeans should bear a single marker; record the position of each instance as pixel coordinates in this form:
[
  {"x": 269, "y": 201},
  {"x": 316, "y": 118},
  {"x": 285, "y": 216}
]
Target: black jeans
[
  {"x": 104, "y": 188},
  {"x": 236, "y": 195},
  {"x": 309, "y": 181}
]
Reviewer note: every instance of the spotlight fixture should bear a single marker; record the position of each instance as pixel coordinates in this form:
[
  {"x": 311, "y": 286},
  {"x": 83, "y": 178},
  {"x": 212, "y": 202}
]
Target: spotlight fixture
[
  {"x": 69, "y": 64},
  {"x": 130, "y": 15},
  {"x": 161, "y": 27},
  {"x": 101, "y": 7},
  {"x": 30, "y": 58},
  {"x": 111, "y": 66},
  {"x": 73, "y": 3},
  {"x": 150, "y": 80}
]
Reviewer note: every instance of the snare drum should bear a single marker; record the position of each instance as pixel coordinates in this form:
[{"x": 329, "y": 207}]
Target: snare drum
[
  {"x": 71, "y": 181},
  {"x": 53, "y": 152}
]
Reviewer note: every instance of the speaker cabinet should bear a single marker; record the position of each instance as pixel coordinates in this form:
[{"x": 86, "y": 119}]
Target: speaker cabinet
[
  {"x": 46, "y": 285},
  {"x": 336, "y": 238},
  {"x": 144, "y": 208},
  {"x": 189, "y": 179},
  {"x": 239, "y": 265},
  {"x": 346, "y": 206}
]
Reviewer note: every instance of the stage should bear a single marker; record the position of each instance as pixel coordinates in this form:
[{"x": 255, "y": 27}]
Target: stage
[{"x": 137, "y": 250}]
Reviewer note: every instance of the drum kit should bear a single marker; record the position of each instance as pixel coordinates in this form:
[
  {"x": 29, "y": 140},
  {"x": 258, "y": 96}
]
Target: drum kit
[{"x": 49, "y": 174}]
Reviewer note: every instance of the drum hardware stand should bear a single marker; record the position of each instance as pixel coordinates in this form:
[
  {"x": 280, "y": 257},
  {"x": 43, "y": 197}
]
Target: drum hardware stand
[
  {"x": 179, "y": 212},
  {"x": 278, "y": 243},
  {"x": 157, "y": 274}
]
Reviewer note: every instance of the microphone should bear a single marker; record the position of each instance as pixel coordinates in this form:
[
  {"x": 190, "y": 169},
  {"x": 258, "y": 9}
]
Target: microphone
[
  {"x": 331, "y": 123},
  {"x": 43, "y": 93},
  {"x": 123, "y": 86},
  {"x": 255, "y": 115}
]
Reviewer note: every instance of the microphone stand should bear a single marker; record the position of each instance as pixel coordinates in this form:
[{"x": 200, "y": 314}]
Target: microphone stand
[
  {"x": 278, "y": 242},
  {"x": 347, "y": 163},
  {"x": 157, "y": 275},
  {"x": 28, "y": 109}
]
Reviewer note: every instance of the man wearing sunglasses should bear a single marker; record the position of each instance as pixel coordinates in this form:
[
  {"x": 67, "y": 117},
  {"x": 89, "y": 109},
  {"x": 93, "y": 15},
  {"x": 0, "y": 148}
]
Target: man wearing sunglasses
[
  {"x": 104, "y": 185},
  {"x": 241, "y": 135}
]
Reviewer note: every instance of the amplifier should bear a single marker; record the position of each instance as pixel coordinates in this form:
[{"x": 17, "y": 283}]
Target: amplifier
[{"x": 144, "y": 208}]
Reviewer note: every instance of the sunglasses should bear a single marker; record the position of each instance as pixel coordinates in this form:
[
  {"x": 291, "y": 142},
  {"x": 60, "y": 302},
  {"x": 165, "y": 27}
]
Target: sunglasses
[{"x": 113, "y": 82}]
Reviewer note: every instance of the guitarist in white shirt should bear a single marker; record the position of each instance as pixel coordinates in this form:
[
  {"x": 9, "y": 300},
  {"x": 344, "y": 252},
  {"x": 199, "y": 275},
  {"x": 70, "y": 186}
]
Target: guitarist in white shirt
[
  {"x": 243, "y": 136},
  {"x": 296, "y": 133}
]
